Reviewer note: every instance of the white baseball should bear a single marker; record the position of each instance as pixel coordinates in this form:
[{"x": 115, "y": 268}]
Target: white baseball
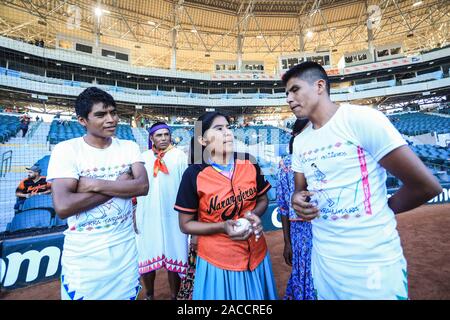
[{"x": 242, "y": 224}]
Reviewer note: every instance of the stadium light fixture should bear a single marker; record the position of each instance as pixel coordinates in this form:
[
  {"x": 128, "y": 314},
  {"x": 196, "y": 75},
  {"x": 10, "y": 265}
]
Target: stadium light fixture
[
  {"x": 145, "y": 78},
  {"x": 98, "y": 11},
  {"x": 259, "y": 36},
  {"x": 417, "y": 3},
  {"x": 431, "y": 62},
  {"x": 152, "y": 23},
  {"x": 234, "y": 83},
  {"x": 219, "y": 83},
  {"x": 275, "y": 84},
  {"x": 108, "y": 72},
  {"x": 83, "y": 68},
  {"x": 194, "y": 31},
  {"x": 201, "y": 82},
  {"x": 389, "y": 70},
  {"x": 409, "y": 67},
  {"x": 26, "y": 57},
  {"x": 166, "y": 80},
  {"x": 58, "y": 64},
  {"x": 252, "y": 83},
  {"x": 310, "y": 34},
  {"x": 184, "y": 81},
  {"x": 128, "y": 77}
]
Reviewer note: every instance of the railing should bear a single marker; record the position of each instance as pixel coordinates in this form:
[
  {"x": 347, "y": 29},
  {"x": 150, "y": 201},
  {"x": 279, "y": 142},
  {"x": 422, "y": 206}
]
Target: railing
[
  {"x": 33, "y": 129},
  {"x": 424, "y": 77},
  {"x": 6, "y": 163}
]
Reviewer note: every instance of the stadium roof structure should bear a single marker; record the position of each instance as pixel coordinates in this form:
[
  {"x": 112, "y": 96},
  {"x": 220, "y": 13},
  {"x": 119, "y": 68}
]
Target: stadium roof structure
[{"x": 192, "y": 34}]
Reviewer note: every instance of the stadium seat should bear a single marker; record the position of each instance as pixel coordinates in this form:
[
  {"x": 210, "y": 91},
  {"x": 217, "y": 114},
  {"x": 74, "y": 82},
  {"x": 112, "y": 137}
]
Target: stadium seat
[
  {"x": 72, "y": 129},
  {"x": 43, "y": 201},
  {"x": 418, "y": 123},
  {"x": 30, "y": 219},
  {"x": 9, "y": 127},
  {"x": 43, "y": 164}
]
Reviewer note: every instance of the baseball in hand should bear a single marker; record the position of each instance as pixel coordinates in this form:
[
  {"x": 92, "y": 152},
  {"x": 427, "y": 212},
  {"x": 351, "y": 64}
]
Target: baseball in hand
[{"x": 242, "y": 224}]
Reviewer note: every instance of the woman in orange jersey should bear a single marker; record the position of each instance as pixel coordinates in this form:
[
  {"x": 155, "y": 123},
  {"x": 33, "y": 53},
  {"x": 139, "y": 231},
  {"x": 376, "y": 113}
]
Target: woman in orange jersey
[{"x": 218, "y": 188}]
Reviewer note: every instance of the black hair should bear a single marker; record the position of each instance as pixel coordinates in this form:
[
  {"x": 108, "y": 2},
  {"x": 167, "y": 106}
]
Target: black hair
[
  {"x": 89, "y": 97},
  {"x": 308, "y": 71},
  {"x": 299, "y": 125},
  {"x": 202, "y": 124}
]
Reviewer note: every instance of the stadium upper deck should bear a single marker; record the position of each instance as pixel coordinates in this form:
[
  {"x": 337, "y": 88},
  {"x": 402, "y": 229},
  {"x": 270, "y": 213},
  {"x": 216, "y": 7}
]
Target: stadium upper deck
[{"x": 52, "y": 72}]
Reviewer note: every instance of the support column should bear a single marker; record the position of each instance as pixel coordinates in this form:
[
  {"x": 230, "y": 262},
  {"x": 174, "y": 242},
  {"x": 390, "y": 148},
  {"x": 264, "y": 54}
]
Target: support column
[
  {"x": 239, "y": 52},
  {"x": 173, "y": 61},
  {"x": 369, "y": 33},
  {"x": 301, "y": 41},
  {"x": 97, "y": 29}
]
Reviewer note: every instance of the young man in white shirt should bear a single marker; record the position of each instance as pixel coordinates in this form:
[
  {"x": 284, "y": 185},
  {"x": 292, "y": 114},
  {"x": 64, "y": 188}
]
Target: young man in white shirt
[
  {"x": 94, "y": 178},
  {"x": 340, "y": 165}
]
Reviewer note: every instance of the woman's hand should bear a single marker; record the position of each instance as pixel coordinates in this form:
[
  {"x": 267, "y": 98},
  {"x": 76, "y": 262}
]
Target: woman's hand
[
  {"x": 256, "y": 224},
  {"x": 229, "y": 229}
]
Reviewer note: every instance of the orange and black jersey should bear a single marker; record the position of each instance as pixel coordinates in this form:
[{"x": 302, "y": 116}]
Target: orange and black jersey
[
  {"x": 216, "y": 198},
  {"x": 29, "y": 186}
]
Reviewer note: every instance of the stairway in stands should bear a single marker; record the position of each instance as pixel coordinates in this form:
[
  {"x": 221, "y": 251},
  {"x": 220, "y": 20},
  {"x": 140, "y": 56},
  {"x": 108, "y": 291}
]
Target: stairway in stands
[{"x": 25, "y": 152}]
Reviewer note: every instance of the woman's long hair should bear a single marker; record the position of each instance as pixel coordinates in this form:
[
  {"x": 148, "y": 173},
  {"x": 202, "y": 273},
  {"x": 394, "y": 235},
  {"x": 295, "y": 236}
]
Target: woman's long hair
[
  {"x": 202, "y": 124},
  {"x": 299, "y": 125}
]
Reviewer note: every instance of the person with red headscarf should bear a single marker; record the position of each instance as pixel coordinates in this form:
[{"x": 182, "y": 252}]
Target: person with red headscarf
[{"x": 160, "y": 242}]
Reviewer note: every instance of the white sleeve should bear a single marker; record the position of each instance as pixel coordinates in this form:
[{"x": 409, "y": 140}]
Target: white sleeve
[
  {"x": 135, "y": 153},
  {"x": 62, "y": 163},
  {"x": 375, "y": 132},
  {"x": 296, "y": 162}
]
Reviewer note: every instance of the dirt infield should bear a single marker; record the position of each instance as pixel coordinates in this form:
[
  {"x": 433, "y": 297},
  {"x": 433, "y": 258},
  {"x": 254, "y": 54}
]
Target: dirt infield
[{"x": 426, "y": 243}]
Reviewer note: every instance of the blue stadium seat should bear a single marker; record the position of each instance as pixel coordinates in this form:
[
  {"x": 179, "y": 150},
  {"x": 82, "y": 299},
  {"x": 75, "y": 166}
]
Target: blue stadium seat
[
  {"x": 9, "y": 127},
  {"x": 72, "y": 129},
  {"x": 43, "y": 201},
  {"x": 418, "y": 123},
  {"x": 30, "y": 219},
  {"x": 43, "y": 164}
]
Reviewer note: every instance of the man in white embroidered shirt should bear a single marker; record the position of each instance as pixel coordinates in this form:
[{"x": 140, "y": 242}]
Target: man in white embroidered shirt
[
  {"x": 94, "y": 178},
  {"x": 340, "y": 164}
]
